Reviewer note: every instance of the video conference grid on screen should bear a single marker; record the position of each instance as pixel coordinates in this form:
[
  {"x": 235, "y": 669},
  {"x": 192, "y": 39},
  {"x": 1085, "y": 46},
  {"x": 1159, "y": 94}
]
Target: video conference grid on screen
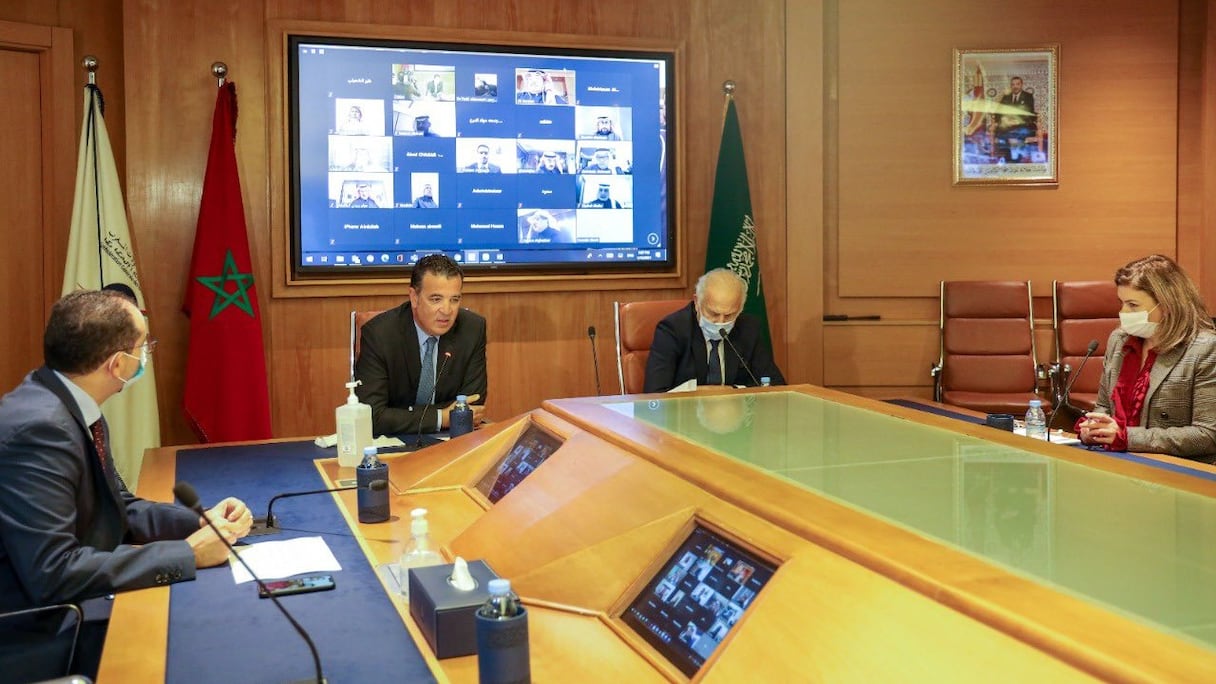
[
  {"x": 494, "y": 158},
  {"x": 697, "y": 598},
  {"x": 533, "y": 448}
]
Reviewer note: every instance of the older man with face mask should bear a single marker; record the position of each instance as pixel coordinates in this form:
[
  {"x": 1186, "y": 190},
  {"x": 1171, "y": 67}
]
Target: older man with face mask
[{"x": 690, "y": 344}]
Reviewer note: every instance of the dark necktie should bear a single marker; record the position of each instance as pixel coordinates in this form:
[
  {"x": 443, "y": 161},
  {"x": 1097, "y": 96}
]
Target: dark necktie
[
  {"x": 714, "y": 376},
  {"x": 426, "y": 382},
  {"x": 99, "y": 441}
]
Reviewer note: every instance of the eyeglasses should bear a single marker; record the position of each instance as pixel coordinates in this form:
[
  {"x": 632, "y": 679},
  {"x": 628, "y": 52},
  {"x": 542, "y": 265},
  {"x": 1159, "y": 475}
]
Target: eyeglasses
[{"x": 149, "y": 345}]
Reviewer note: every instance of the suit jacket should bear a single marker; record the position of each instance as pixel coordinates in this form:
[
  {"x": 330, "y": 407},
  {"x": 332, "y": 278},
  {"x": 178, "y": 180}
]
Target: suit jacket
[
  {"x": 678, "y": 353},
  {"x": 490, "y": 168},
  {"x": 67, "y": 527},
  {"x": 1179, "y": 413},
  {"x": 390, "y": 362}
]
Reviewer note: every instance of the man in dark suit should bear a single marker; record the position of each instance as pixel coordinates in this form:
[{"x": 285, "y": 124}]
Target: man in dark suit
[
  {"x": 688, "y": 343},
  {"x": 483, "y": 165},
  {"x": 1015, "y": 121},
  {"x": 69, "y": 529},
  {"x": 414, "y": 359}
]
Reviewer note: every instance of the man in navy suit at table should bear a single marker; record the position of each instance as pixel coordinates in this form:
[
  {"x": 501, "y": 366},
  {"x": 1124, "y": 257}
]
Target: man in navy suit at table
[
  {"x": 69, "y": 529},
  {"x": 688, "y": 344},
  {"x": 415, "y": 359}
]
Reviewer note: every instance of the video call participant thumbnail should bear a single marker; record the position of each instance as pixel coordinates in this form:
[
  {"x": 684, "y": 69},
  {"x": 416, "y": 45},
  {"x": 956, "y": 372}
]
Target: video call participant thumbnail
[{"x": 483, "y": 164}]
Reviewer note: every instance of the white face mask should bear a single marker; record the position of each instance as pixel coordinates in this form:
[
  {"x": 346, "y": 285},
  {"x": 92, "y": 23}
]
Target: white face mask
[
  {"x": 711, "y": 329},
  {"x": 1136, "y": 323}
]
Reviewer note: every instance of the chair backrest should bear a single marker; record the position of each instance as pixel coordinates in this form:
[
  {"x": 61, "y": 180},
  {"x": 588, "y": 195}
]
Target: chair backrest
[
  {"x": 635, "y": 324},
  {"x": 1084, "y": 310},
  {"x": 357, "y": 320},
  {"x": 33, "y": 654},
  {"x": 987, "y": 341}
]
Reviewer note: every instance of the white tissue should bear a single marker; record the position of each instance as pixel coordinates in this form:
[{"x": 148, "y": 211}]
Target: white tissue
[{"x": 461, "y": 579}]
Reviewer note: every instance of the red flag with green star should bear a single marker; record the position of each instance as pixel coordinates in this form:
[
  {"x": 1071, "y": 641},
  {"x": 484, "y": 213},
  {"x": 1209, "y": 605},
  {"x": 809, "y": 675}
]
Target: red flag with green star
[{"x": 225, "y": 396}]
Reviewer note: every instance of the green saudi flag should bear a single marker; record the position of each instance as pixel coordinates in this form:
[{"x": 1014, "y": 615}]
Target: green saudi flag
[{"x": 732, "y": 234}]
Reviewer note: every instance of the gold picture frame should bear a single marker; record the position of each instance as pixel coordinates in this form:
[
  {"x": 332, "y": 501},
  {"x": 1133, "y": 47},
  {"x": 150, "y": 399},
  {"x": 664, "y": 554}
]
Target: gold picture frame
[{"x": 1005, "y": 114}]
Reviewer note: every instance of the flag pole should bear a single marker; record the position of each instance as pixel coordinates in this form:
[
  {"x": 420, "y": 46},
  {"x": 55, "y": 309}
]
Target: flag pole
[
  {"x": 220, "y": 71},
  {"x": 90, "y": 64}
]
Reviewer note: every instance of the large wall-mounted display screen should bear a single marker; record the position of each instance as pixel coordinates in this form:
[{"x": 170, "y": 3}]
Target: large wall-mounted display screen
[
  {"x": 504, "y": 158},
  {"x": 697, "y": 597}
]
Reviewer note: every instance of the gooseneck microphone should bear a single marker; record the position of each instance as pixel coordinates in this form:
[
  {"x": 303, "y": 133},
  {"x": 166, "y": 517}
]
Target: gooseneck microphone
[
  {"x": 268, "y": 525},
  {"x": 726, "y": 337},
  {"x": 447, "y": 356},
  {"x": 186, "y": 494},
  {"x": 1064, "y": 403},
  {"x": 595, "y": 359}
]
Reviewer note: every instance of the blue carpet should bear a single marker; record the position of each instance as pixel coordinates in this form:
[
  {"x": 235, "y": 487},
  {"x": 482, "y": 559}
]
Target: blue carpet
[
  {"x": 221, "y": 632},
  {"x": 1172, "y": 467}
]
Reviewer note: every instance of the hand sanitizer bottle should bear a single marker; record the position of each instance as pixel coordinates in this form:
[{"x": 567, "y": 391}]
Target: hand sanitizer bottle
[
  {"x": 354, "y": 428},
  {"x": 419, "y": 552}
]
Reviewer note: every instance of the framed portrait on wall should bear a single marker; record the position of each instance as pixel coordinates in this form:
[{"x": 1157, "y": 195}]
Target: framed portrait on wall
[{"x": 1005, "y": 113}]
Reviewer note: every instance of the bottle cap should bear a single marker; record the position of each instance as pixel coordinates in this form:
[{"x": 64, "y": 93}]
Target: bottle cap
[
  {"x": 369, "y": 450},
  {"x": 1036, "y": 402},
  {"x": 418, "y": 524},
  {"x": 499, "y": 587},
  {"x": 462, "y": 399},
  {"x": 765, "y": 380}
]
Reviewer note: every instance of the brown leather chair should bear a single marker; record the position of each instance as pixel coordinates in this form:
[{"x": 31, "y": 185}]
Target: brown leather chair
[
  {"x": 357, "y": 320},
  {"x": 987, "y": 360},
  {"x": 1082, "y": 311},
  {"x": 635, "y": 325}
]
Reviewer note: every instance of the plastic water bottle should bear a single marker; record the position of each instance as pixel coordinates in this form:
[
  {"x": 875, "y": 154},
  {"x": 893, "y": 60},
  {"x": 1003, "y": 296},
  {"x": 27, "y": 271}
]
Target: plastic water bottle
[
  {"x": 502, "y": 637},
  {"x": 766, "y": 381},
  {"x": 1036, "y": 420},
  {"x": 419, "y": 552},
  {"x": 461, "y": 418},
  {"x": 503, "y": 603}
]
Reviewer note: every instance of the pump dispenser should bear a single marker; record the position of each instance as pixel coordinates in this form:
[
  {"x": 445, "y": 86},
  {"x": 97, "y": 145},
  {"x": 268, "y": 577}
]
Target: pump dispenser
[
  {"x": 354, "y": 428},
  {"x": 419, "y": 552}
]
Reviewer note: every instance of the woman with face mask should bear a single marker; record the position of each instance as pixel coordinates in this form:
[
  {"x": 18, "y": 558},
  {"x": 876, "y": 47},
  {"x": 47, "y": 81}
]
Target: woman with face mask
[{"x": 1158, "y": 389}]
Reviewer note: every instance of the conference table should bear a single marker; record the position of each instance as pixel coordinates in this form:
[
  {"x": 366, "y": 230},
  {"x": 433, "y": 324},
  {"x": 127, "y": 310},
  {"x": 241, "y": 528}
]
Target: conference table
[{"x": 909, "y": 541}]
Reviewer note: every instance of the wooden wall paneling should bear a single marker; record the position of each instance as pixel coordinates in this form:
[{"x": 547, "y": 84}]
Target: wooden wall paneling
[
  {"x": 896, "y": 353},
  {"x": 38, "y": 172},
  {"x": 169, "y": 49},
  {"x": 1207, "y": 150},
  {"x": 1192, "y": 30},
  {"x": 899, "y": 215},
  {"x": 806, "y": 122}
]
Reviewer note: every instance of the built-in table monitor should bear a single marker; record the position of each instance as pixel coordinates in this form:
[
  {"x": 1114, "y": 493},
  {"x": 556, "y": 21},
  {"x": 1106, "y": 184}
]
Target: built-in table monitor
[
  {"x": 698, "y": 596},
  {"x": 528, "y": 452}
]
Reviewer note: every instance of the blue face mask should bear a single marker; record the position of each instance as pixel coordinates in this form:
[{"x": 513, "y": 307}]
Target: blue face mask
[
  {"x": 139, "y": 372},
  {"x": 710, "y": 329}
]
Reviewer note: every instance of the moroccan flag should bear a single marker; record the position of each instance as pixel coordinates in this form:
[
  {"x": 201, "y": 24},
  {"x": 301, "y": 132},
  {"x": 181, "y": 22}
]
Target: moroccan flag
[
  {"x": 100, "y": 252},
  {"x": 732, "y": 235},
  {"x": 225, "y": 396}
]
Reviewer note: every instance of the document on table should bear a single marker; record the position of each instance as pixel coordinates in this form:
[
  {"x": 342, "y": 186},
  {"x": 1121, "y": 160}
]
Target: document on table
[
  {"x": 276, "y": 559},
  {"x": 1057, "y": 436}
]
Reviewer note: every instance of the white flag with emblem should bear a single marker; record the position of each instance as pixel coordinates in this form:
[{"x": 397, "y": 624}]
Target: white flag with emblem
[{"x": 100, "y": 253}]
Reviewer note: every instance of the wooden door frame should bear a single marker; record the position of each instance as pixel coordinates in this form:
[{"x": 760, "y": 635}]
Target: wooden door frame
[{"x": 54, "y": 49}]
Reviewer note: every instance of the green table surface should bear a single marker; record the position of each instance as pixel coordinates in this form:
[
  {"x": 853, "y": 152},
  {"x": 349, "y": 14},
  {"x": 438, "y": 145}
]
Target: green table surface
[{"x": 1139, "y": 548}]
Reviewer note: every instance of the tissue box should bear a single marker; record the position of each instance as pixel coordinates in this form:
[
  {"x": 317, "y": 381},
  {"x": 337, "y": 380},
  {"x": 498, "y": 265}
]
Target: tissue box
[{"x": 444, "y": 613}]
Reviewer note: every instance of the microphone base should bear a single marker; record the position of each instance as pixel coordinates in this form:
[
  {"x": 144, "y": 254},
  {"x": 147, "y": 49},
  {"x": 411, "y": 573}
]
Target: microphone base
[
  {"x": 310, "y": 680},
  {"x": 260, "y": 528}
]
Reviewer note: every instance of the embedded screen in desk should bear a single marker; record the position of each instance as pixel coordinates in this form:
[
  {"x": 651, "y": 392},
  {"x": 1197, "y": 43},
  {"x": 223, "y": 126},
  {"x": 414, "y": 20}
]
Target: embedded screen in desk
[
  {"x": 528, "y": 452},
  {"x": 697, "y": 597}
]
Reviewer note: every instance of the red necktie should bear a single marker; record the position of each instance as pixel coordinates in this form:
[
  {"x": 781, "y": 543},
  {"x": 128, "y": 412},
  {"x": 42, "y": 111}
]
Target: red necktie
[{"x": 99, "y": 441}]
